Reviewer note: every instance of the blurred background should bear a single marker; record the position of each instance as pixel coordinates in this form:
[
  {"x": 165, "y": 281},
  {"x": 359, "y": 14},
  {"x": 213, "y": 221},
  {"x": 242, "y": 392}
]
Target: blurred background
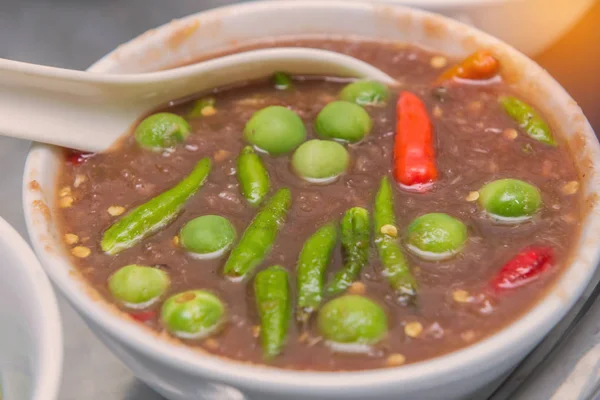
[{"x": 75, "y": 33}]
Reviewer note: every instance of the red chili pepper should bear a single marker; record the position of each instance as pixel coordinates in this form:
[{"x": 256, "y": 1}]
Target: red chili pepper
[
  {"x": 480, "y": 65},
  {"x": 77, "y": 157},
  {"x": 143, "y": 316},
  {"x": 525, "y": 267},
  {"x": 414, "y": 155}
]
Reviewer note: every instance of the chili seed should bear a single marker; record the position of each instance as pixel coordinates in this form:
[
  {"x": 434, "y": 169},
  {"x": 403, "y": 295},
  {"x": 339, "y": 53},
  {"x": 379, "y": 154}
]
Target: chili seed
[
  {"x": 438, "y": 62},
  {"x": 65, "y": 202},
  {"x": 437, "y": 111},
  {"x": 175, "y": 240},
  {"x": 460, "y": 296},
  {"x": 66, "y": 191},
  {"x": 389, "y": 230},
  {"x": 303, "y": 338},
  {"x": 116, "y": 210},
  {"x": 256, "y": 331},
  {"x": 221, "y": 155},
  {"x": 468, "y": 336},
  {"x": 185, "y": 297},
  {"x": 250, "y": 101},
  {"x": 79, "y": 179},
  {"x": 413, "y": 329},
  {"x": 547, "y": 168},
  {"x": 472, "y": 196},
  {"x": 326, "y": 98},
  {"x": 81, "y": 251},
  {"x": 487, "y": 308},
  {"x": 527, "y": 149},
  {"x": 475, "y": 106},
  {"x": 71, "y": 238},
  {"x": 571, "y": 187},
  {"x": 395, "y": 360},
  {"x": 211, "y": 343},
  {"x": 208, "y": 111},
  {"x": 510, "y": 134},
  {"x": 357, "y": 288},
  {"x": 435, "y": 331}
]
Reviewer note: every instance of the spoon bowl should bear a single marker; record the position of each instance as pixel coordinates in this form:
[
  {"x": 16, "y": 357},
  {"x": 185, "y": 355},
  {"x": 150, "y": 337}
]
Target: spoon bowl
[{"x": 90, "y": 111}]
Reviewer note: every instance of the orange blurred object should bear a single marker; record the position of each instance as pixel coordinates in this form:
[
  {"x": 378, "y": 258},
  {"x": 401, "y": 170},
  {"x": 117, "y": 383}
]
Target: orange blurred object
[{"x": 480, "y": 65}]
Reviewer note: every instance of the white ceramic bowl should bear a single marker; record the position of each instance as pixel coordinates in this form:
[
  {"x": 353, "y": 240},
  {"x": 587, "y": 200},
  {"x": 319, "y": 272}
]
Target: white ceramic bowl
[
  {"x": 531, "y": 26},
  {"x": 179, "y": 373},
  {"x": 30, "y": 330}
]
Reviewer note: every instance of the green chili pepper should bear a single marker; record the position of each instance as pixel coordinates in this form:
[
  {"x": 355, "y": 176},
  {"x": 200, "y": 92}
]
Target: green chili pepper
[
  {"x": 156, "y": 213},
  {"x": 528, "y": 119},
  {"x": 310, "y": 272},
  {"x": 356, "y": 234},
  {"x": 395, "y": 266},
  {"x": 200, "y": 105},
  {"x": 273, "y": 302},
  {"x": 253, "y": 176},
  {"x": 257, "y": 240},
  {"x": 282, "y": 81}
]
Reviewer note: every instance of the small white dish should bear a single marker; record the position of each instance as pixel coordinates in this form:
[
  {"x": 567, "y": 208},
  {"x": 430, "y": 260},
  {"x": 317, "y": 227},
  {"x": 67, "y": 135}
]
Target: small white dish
[{"x": 31, "y": 342}]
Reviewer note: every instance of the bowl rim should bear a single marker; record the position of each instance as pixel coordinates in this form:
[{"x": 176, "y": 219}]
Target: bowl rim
[
  {"x": 49, "y": 364},
  {"x": 445, "y": 368}
]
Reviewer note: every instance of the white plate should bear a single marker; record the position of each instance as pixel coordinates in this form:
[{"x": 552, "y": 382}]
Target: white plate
[{"x": 30, "y": 331}]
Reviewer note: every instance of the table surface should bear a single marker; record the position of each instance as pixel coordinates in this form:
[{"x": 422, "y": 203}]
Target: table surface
[{"x": 75, "y": 33}]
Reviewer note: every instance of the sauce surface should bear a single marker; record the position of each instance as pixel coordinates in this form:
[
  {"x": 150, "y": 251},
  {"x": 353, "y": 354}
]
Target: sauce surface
[{"x": 474, "y": 144}]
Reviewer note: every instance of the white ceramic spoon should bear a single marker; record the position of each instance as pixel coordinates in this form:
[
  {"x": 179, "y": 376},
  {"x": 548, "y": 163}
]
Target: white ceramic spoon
[{"x": 89, "y": 111}]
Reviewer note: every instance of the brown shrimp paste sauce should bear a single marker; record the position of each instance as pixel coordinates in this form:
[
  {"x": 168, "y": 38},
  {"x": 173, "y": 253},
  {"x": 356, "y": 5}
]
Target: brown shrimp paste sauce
[{"x": 475, "y": 143}]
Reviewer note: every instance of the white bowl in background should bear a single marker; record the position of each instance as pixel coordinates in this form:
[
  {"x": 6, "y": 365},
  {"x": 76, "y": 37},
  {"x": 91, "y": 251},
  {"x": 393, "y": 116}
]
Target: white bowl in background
[
  {"x": 181, "y": 374},
  {"x": 30, "y": 331},
  {"x": 531, "y": 26}
]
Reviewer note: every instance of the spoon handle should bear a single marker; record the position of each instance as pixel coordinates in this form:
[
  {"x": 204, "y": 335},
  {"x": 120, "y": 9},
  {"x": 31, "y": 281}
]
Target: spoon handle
[
  {"x": 90, "y": 111},
  {"x": 67, "y": 108}
]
